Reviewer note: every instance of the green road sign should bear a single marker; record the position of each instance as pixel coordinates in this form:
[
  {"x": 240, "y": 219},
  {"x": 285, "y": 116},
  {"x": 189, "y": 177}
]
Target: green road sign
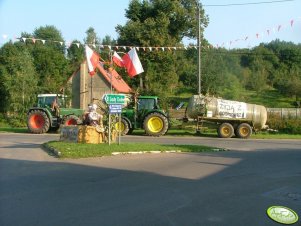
[{"x": 114, "y": 98}]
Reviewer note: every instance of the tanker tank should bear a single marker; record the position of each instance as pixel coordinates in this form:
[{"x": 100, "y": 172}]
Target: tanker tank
[{"x": 227, "y": 111}]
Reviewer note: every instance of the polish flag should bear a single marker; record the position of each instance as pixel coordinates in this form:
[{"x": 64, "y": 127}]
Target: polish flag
[
  {"x": 117, "y": 60},
  {"x": 92, "y": 60},
  {"x": 132, "y": 63}
]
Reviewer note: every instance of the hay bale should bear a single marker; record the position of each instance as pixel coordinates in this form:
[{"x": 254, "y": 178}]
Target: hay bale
[{"x": 89, "y": 135}]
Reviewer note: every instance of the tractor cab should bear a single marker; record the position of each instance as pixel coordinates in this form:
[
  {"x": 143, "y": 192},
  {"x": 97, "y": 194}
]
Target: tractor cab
[
  {"x": 147, "y": 103},
  {"x": 47, "y": 100}
]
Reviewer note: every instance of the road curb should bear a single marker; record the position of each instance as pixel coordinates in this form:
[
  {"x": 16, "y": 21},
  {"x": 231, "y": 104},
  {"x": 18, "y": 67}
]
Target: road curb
[
  {"x": 159, "y": 152},
  {"x": 144, "y": 152},
  {"x": 52, "y": 150}
]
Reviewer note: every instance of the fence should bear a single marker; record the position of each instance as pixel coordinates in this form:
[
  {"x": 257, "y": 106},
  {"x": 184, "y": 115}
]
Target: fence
[{"x": 285, "y": 112}]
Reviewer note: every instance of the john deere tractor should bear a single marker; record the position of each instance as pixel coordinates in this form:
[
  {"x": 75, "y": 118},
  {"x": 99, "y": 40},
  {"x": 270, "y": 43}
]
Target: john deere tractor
[
  {"x": 143, "y": 112},
  {"x": 50, "y": 112}
]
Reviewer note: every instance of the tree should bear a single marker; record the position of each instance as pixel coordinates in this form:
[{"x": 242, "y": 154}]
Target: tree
[
  {"x": 53, "y": 69},
  {"x": 231, "y": 88},
  {"x": 159, "y": 23},
  {"x": 52, "y": 35},
  {"x": 50, "y": 62},
  {"x": 290, "y": 82},
  {"x": 106, "y": 52},
  {"x": 91, "y": 38},
  {"x": 18, "y": 78},
  {"x": 186, "y": 68},
  {"x": 76, "y": 54}
]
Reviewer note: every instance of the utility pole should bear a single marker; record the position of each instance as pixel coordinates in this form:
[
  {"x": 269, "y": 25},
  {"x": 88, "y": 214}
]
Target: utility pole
[{"x": 199, "y": 47}]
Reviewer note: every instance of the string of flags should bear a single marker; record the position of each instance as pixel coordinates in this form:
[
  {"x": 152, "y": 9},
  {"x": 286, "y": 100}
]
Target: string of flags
[
  {"x": 100, "y": 46},
  {"x": 259, "y": 35},
  {"x": 246, "y": 38}
]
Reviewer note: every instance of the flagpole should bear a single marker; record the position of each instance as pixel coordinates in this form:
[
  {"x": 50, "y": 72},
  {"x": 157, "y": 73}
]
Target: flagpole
[
  {"x": 92, "y": 77},
  {"x": 199, "y": 47},
  {"x": 111, "y": 90},
  {"x": 111, "y": 67},
  {"x": 91, "y": 84}
]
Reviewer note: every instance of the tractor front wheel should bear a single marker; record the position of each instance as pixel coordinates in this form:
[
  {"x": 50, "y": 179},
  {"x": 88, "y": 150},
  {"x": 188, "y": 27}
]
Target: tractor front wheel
[
  {"x": 71, "y": 120},
  {"x": 123, "y": 127},
  {"x": 155, "y": 124},
  {"x": 38, "y": 122}
]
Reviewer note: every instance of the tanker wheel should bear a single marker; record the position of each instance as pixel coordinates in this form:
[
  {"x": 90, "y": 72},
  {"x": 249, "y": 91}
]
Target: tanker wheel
[
  {"x": 225, "y": 130},
  {"x": 123, "y": 127},
  {"x": 155, "y": 124},
  {"x": 244, "y": 130},
  {"x": 71, "y": 120},
  {"x": 38, "y": 122}
]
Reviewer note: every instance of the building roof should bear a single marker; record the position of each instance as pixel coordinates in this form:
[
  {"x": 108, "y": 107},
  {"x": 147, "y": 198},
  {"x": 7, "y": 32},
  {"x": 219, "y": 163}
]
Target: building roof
[{"x": 117, "y": 82}]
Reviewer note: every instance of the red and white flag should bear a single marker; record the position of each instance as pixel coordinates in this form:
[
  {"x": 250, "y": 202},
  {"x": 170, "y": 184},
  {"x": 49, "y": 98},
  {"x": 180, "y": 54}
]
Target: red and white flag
[
  {"x": 92, "y": 60},
  {"x": 117, "y": 60},
  {"x": 132, "y": 63}
]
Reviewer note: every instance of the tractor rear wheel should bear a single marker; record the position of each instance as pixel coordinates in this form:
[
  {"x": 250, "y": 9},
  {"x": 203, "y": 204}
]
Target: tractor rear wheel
[
  {"x": 130, "y": 131},
  {"x": 123, "y": 127},
  {"x": 225, "y": 130},
  {"x": 155, "y": 124},
  {"x": 71, "y": 120},
  {"x": 244, "y": 130},
  {"x": 38, "y": 122}
]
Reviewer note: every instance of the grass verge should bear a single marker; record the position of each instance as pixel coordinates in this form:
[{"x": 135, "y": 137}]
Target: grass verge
[
  {"x": 13, "y": 130},
  {"x": 263, "y": 135},
  {"x": 213, "y": 133},
  {"x": 77, "y": 150}
]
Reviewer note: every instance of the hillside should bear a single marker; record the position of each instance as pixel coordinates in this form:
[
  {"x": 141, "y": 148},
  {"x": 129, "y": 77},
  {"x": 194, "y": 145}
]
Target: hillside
[{"x": 267, "y": 98}]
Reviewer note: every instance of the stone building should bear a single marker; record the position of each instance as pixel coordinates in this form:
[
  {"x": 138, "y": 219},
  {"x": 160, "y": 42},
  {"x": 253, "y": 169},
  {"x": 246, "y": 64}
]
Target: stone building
[{"x": 85, "y": 87}]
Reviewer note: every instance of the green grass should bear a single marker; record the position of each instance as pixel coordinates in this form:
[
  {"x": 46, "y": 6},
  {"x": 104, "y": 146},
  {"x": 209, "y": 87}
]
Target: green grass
[
  {"x": 78, "y": 150},
  {"x": 265, "y": 135},
  {"x": 212, "y": 133},
  {"x": 268, "y": 98},
  {"x": 13, "y": 130}
]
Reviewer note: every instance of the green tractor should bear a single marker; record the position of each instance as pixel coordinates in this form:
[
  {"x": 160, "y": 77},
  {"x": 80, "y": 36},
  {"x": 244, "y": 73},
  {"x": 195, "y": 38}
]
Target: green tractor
[
  {"x": 143, "y": 112},
  {"x": 50, "y": 112}
]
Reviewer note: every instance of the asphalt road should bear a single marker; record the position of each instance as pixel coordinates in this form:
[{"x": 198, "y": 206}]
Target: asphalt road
[{"x": 222, "y": 188}]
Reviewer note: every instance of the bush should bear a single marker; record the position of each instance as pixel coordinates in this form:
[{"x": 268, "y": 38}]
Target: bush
[
  {"x": 13, "y": 120},
  {"x": 292, "y": 126},
  {"x": 3, "y": 121},
  {"x": 286, "y": 125}
]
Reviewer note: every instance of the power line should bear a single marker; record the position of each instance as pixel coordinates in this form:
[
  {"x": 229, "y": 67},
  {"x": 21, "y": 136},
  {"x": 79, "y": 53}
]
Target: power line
[{"x": 248, "y": 3}]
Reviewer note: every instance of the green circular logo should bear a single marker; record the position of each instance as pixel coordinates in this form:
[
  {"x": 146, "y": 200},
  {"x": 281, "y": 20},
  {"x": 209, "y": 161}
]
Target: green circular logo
[{"x": 282, "y": 214}]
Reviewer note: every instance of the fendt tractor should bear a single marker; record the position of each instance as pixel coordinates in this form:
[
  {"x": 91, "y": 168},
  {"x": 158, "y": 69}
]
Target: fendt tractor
[
  {"x": 50, "y": 112},
  {"x": 143, "y": 112}
]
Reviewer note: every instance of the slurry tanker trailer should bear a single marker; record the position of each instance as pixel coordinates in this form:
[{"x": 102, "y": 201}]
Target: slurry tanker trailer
[{"x": 229, "y": 117}]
